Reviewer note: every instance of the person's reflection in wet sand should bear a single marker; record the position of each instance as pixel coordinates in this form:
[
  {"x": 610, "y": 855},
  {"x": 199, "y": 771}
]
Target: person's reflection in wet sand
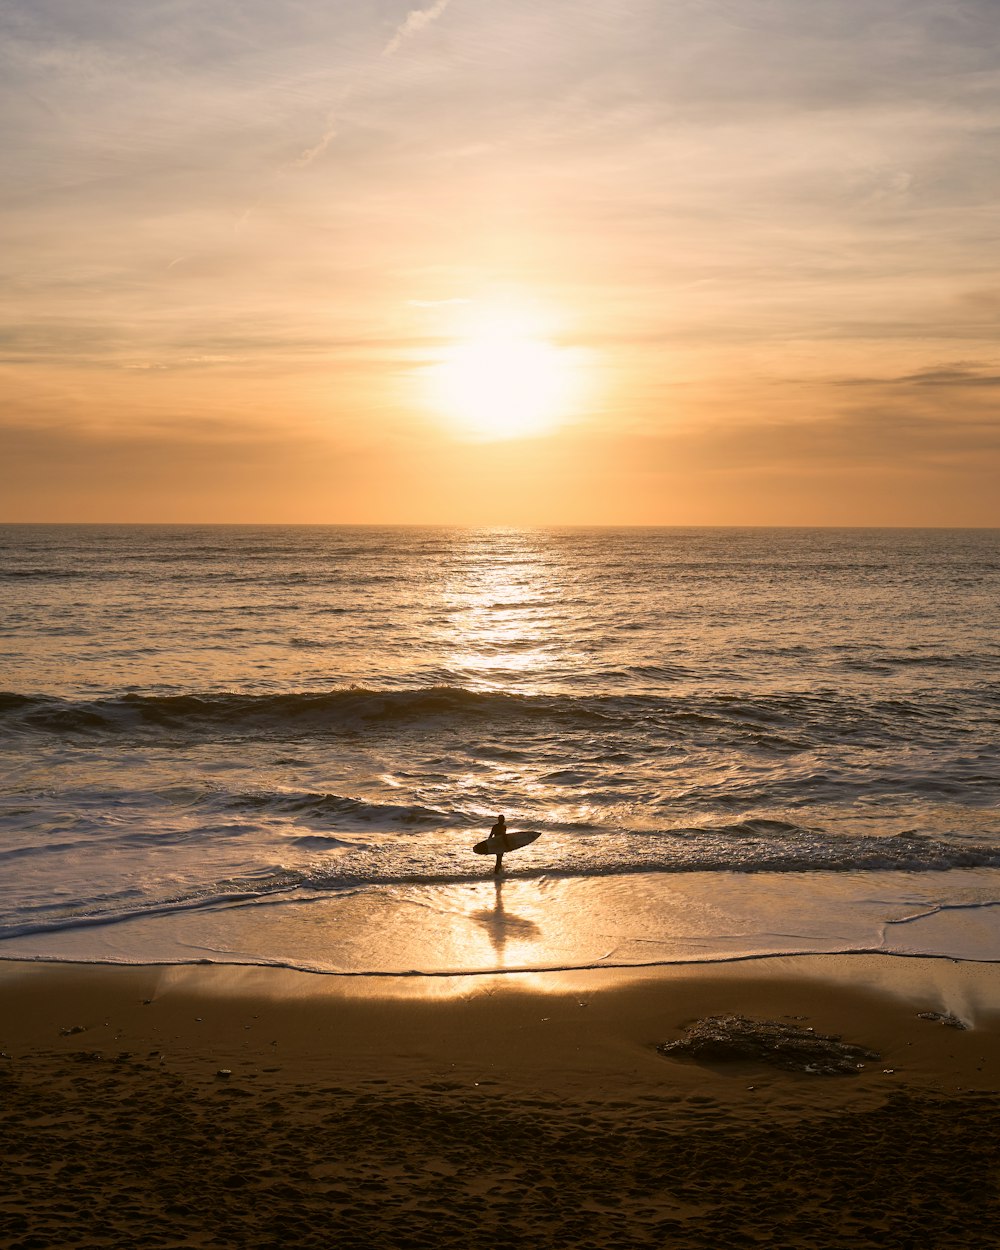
[{"x": 502, "y": 925}]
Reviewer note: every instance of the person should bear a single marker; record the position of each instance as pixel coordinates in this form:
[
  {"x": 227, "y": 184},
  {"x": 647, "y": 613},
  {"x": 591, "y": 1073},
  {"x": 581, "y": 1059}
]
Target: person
[{"x": 499, "y": 831}]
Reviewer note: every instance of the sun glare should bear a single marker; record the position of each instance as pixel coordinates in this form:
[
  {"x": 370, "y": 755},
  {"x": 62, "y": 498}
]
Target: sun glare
[{"x": 501, "y": 383}]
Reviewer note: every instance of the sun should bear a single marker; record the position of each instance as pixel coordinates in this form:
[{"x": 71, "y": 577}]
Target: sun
[{"x": 501, "y": 382}]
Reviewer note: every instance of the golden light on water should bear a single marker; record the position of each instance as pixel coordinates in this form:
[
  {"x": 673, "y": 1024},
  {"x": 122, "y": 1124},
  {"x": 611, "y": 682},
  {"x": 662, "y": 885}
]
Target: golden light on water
[{"x": 499, "y": 607}]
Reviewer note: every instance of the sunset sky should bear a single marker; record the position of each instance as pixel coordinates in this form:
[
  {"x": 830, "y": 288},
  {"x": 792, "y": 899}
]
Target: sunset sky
[{"x": 501, "y": 261}]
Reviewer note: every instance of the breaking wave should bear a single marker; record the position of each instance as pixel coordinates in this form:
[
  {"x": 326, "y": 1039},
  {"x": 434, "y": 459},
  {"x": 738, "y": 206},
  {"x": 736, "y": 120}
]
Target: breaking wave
[{"x": 787, "y": 721}]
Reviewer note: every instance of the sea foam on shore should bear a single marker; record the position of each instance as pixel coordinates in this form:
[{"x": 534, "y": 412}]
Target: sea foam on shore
[{"x": 518, "y": 923}]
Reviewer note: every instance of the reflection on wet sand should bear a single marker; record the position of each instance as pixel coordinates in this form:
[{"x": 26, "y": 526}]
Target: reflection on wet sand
[{"x": 502, "y": 925}]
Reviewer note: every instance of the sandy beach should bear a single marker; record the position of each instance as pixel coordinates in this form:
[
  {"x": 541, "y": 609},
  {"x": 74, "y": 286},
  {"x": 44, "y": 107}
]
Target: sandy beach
[{"x": 211, "y": 1106}]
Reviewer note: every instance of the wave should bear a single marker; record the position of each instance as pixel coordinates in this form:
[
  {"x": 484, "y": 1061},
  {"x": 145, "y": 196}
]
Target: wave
[
  {"x": 47, "y": 574},
  {"x": 786, "y": 721},
  {"x": 320, "y": 842},
  {"x": 261, "y": 712},
  {"x": 392, "y": 817},
  {"x": 888, "y": 663},
  {"x": 114, "y": 909},
  {"x": 207, "y": 574}
]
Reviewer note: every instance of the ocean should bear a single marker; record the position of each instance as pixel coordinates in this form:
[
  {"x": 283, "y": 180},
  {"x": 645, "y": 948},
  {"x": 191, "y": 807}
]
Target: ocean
[{"x": 277, "y": 745}]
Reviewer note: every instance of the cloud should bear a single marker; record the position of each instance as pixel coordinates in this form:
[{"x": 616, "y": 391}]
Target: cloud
[
  {"x": 201, "y": 468},
  {"x": 957, "y": 375},
  {"x": 960, "y": 374},
  {"x": 307, "y": 156},
  {"x": 872, "y": 438},
  {"x": 728, "y": 198},
  {"x": 414, "y": 21}
]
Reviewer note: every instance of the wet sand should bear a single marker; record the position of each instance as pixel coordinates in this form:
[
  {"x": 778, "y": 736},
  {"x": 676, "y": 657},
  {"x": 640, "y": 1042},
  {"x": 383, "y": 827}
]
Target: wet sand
[{"x": 214, "y": 1107}]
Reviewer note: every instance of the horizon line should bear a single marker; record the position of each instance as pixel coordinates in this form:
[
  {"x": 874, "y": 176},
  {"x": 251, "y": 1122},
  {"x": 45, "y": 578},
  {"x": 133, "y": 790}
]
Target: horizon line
[{"x": 492, "y": 525}]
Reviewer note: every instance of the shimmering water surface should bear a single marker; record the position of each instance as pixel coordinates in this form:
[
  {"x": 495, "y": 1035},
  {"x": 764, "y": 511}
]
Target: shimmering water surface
[{"x": 279, "y": 744}]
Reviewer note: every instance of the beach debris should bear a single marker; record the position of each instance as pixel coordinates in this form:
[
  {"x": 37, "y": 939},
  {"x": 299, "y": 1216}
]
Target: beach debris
[
  {"x": 224, "y": 1072},
  {"x": 726, "y": 1039},
  {"x": 943, "y": 1017},
  {"x": 73, "y": 1028}
]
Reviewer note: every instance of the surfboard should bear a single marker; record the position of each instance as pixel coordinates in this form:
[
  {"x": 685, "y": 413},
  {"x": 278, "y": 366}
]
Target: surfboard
[{"x": 496, "y": 843}]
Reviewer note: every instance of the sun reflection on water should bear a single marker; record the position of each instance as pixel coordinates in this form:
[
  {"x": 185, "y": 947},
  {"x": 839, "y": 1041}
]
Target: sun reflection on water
[{"x": 500, "y": 608}]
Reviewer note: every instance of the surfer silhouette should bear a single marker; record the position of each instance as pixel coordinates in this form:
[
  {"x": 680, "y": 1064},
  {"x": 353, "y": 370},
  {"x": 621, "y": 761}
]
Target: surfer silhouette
[
  {"x": 499, "y": 831},
  {"x": 501, "y": 840}
]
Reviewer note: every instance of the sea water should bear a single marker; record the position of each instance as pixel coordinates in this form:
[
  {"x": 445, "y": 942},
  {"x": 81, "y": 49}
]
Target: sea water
[{"x": 279, "y": 744}]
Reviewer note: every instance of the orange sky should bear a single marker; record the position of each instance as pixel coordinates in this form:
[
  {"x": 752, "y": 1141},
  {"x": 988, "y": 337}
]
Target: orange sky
[{"x": 654, "y": 261}]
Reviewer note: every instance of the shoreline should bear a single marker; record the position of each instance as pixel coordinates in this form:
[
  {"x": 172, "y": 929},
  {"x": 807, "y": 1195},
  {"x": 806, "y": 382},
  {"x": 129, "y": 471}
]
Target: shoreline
[
  {"x": 610, "y": 971},
  {"x": 320, "y": 1018},
  {"x": 225, "y": 1106},
  {"x": 512, "y": 924}
]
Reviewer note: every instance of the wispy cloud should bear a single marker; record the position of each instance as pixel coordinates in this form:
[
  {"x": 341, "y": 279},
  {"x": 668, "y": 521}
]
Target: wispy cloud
[
  {"x": 308, "y": 155},
  {"x": 414, "y": 21},
  {"x": 772, "y": 222},
  {"x": 956, "y": 375},
  {"x": 960, "y": 374}
]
